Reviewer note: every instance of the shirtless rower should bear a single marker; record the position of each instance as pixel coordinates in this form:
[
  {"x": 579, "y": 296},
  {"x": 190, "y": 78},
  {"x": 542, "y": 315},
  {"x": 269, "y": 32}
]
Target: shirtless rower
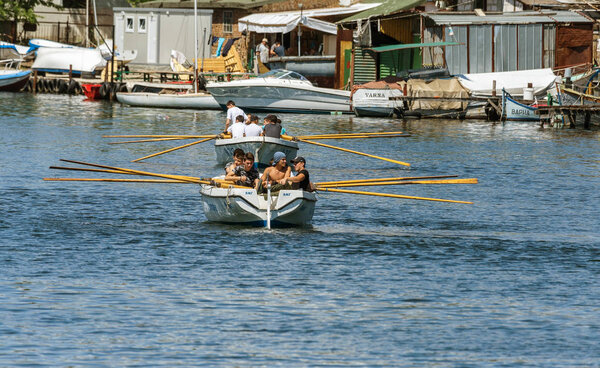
[{"x": 273, "y": 174}]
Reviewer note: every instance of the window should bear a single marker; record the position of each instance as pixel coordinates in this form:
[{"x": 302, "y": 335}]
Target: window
[
  {"x": 129, "y": 24},
  {"x": 227, "y": 21},
  {"x": 142, "y": 24}
]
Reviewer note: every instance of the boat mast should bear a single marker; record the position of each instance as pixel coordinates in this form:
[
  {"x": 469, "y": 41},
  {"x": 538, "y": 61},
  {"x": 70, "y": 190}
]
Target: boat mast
[{"x": 195, "y": 46}]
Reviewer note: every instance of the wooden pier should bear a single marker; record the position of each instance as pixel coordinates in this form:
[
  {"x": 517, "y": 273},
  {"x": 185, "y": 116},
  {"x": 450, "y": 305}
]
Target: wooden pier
[{"x": 568, "y": 114}]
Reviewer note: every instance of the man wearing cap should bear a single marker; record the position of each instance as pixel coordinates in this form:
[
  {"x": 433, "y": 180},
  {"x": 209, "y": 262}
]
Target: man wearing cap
[
  {"x": 274, "y": 174},
  {"x": 262, "y": 51},
  {"x": 302, "y": 179}
]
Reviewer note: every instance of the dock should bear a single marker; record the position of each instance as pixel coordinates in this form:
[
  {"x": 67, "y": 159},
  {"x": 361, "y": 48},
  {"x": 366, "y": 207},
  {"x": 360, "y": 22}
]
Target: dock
[{"x": 568, "y": 114}]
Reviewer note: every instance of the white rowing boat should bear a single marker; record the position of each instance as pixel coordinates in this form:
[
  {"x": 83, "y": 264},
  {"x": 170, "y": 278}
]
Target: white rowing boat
[
  {"x": 263, "y": 148},
  {"x": 200, "y": 101},
  {"x": 245, "y": 207}
]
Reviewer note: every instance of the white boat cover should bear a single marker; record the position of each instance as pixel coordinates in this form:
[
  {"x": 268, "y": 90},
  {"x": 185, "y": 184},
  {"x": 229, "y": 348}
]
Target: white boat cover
[
  {"x": 480, "y": 84},
  {"x": 284, "y": 22},
  {"x": 22, "y": 50}
]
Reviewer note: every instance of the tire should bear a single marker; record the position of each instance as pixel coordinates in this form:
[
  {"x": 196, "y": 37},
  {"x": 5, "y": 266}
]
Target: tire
[
  {"x": 104, "y": 90},
  {"x": 40, "y": 86},
  {"x": 63, "y": 87},
  {"x": 28, "y": 86},
  {"x": 122, "y": 87},
  {"x": 72, "y": 87}
]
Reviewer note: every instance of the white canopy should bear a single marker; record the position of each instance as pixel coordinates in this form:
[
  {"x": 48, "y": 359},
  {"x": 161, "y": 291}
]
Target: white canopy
[
  {"x": 480, "y": 84},
  {"x": 284, "y": 22}
]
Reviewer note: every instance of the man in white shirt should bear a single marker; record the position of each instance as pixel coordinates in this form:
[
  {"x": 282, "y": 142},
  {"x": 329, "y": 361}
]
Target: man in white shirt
[
  {"x": 237, "y": 128},
  {"x": 252, "y": 129},
  {"x": 262, "y": 51},
  {"x": 232, "y": 113}
]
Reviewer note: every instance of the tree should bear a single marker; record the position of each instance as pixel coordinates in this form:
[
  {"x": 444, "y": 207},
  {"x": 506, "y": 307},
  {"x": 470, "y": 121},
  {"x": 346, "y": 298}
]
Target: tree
[
  {"x": 22, "y": 10},
  {"x": 17, "y": 11}
]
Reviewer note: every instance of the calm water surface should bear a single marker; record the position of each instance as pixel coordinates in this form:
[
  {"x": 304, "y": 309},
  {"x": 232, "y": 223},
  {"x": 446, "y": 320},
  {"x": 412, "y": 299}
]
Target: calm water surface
[{"x": 103, "y": 274}]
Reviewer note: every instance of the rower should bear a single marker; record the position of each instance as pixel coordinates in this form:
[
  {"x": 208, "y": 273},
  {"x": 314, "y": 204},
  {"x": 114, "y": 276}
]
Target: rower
[
  {"x": 238, "y": 159},
  {"x": 232, "y": 112},
  {"x": 274, "y": 174},
  {"x": 237, "y": 129},
  {"x": 246, "y": 174},
  {"x": 302, "y": 178},
  {"x": 252, "y": 129},
  {"x": 271, "y": 128}
]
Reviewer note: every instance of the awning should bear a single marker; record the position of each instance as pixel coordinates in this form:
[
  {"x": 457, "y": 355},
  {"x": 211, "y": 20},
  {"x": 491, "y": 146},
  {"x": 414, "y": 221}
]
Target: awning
[
  {"x": 402, "y": 46},
  {"x": 284, "y": 22}
]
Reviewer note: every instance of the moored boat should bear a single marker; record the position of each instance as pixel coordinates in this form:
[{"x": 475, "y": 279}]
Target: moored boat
[
  {"x": 262, "y": 147},
  {"x": 201, "y": 101},
  {"x": 280, "y": 91},
  {"x": 515, "y": 110},
  {"x": 64, "y": 59},
  {"x": 377, "y": 99},
  {"x": 13, "y": 80},
  {"x": 245, "y": 206}
]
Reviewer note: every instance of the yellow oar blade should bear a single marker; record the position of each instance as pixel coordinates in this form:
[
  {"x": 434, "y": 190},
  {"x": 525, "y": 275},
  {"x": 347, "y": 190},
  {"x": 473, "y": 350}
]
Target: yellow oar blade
[
  {"x": 173, "y": 149},
  {"x": 355, "y": 152},
  {"x": 110, "y": 180},
  {"x": 391, "y": 195},
  {"x": 450, "y": 181},
  {"x": 386, "y": 179}
]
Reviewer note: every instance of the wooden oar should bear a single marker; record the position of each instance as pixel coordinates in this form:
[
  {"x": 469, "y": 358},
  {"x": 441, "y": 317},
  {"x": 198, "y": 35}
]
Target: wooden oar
[
  {"x": 173, "y": 149},
  {"x": 91, "y": 170},
  {"x": 144, "y": 173},
  {"x": 352, "y": 136},
  {"x": 448, "y": 181},
  {"x": 391, "y": 195},
  {"x": 159, "y": 136},
  {"x": 190, "y": 179},
  {"x": 161, "y": 181},
  {"x": 150, "y": 140},
  {"x": 386, "y": 179},
  {"x": 355, "y": 152}
]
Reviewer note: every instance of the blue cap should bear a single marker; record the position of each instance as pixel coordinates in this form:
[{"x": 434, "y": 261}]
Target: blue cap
[{"x": 277, "y": 156}]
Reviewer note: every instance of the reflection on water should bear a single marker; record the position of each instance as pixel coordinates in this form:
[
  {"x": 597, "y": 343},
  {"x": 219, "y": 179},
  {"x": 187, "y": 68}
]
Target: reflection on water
[{"x": 99, "y": 274}]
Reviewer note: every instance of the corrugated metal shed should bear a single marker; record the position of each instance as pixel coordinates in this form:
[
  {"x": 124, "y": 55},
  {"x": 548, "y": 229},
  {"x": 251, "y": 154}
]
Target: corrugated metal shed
[
  {"x": 524, "y": 17},
  {"x": 365, "y": 66}
]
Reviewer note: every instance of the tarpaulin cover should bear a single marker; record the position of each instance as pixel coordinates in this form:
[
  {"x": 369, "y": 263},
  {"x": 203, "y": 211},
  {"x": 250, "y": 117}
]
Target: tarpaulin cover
[
  {"x": 284, "y": 22},
  {"x": 480, "y": 84},
  {"x": 437, "y": 88}
]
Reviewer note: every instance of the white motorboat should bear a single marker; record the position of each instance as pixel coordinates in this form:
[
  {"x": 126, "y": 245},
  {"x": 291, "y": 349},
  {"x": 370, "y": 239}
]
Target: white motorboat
[
  {"x": 200, "y": 101},
  {"x": 62, "y": 59},
  {"x": 263, "y": 148},
  {"x": 514, "y": 82},
  {"x": 280, "y": 91},
  {"x": 245, "y": 207}
]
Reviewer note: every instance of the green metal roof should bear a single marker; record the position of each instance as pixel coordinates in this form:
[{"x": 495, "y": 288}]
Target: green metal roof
[
  {"x": 386, "y": 8},
  {"x": 402, "y": 46}
]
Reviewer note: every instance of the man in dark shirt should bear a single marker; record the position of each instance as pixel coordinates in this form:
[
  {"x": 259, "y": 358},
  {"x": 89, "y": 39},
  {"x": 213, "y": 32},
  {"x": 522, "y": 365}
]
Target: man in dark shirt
[
  {"x": 246, "y": 174},
  {"x": 271, "y": 128},
  {"x": 302, "y": 178}
]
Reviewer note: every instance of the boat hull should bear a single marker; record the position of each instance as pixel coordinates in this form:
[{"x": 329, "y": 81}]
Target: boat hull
[
  {"x": 514, "y": 110},
  {"x": 245, "y": 207},
  {"x": 376, "y": 102},
  {"x": 281, "y": 96},
  {"x": 263, "y": 148},
  {"x": 13, "y": 81},
  {"x": 200, "y": 101}
]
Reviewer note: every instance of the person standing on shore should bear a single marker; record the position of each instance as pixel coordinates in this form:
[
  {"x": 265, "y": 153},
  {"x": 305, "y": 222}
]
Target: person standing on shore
[{"x": 262, "y": 52}]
